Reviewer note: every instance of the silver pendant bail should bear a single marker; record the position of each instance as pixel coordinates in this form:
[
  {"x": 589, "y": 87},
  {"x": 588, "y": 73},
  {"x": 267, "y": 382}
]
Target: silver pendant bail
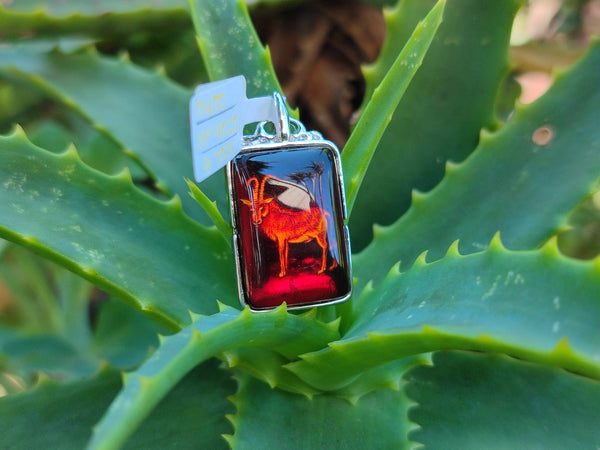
[{"x": 282, "y": 127}]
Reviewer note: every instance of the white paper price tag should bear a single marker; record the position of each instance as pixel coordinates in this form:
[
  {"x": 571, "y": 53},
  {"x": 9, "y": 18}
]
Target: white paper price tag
[{"x": 218, "y": 113}]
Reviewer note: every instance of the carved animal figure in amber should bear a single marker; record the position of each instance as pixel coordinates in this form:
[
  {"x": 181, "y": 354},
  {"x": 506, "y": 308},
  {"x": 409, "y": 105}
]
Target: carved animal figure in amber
[{"x": 294, "y": 222}]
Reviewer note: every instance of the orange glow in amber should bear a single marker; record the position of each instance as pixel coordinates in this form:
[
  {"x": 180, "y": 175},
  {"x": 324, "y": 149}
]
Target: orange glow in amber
[{"x": 285, "y": 225}]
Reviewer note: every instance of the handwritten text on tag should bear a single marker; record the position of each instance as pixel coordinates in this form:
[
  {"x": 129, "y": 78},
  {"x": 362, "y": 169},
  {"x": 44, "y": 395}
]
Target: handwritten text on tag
[{"x": 216, "y": 124}]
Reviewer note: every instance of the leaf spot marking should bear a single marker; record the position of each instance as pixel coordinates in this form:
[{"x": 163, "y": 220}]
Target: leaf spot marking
[
  {"x": 18, "y": 208},
  {"x": 543, "y": 136},
  {"x": 519, "y": 279},
  {"x": 16, "y": 182},
  {"x": 492, "y": 289},
  {"x": 556, "y": 303}
]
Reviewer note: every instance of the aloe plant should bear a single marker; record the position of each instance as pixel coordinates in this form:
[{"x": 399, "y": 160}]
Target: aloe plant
[{"x": 468, "y": 328}]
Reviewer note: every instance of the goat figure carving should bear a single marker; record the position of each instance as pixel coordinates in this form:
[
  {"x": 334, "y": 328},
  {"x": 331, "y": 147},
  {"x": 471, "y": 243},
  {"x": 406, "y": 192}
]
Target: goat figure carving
[{"x": 287, "y": 225}]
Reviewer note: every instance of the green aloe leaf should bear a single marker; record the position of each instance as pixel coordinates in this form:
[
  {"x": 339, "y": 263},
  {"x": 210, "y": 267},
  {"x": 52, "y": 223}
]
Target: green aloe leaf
[
  {"x": 290, "y": 421},
  {"x": 103, "y": 228},
  {"x": 95, "y": 148},
  {"x": 525, "y": 189},
  {"x": 63, "y": 414},
  {"x": 385, "y": 376},
  {"x": 141, "y": 110},
  {"x": 212, "y": 210},
  {"x": 123, "y": 337},
  {"x": 439, "y": 118},
  {"x": 230, "y": 45},
  {"x": 3, "y": 246},
  {"x": 84, "y": 8},
  {"x": 267, "y": 365},
  {"x": 474, "y": 401},
  {"x": 27, "y": 354},
  {"x": 38, "y": 17},
  {"x": 377, "y": 114},
  {"x": 536, "y": 305},
  {"x": 15, "y": 100},
  {"x": 200, "y": 403},
  {"x": 277, "y": 330},
  {"x": 37, "y": 295},
  {"x": 48, "y": 327},
  {"x": 45, "y": 325}
]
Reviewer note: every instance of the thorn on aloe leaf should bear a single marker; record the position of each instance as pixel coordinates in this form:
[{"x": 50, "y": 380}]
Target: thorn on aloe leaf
[
  {"x": 70, "y": 152},
  {"x": 352, "y": 399},
  {"x": 428, "y": 329},
  {"x": 281, "y": 310},
  {"x": 394, "y": 271},
  {"x": 366, "y": 290},
  {"x": 124, "y": 56},
  {"x": 451, "y": 167},
  {"x": 550, "y": 247},
  {"x": 563, "y": 349},
  {"x": 378, "y": 230},
  {"x": 392, "y": 384},
  {"x": 231, "y": 358},
  {"x": 193, "y": 316},
  {"x": 335, "y": 324},
  {"x": 246, "y": 313},
  {"x": 309, "y": 314},
  {"x": 124, "y": 175},
  {"x": 196, "y": 335},
  {"x": 125, "y": 377},
  {"x": 222, "y": 306},
  {"x": 145, "y": 382},
  {"x": 17, "y": 131},
  {"x": 485, "y": 136},
  {"x": 270, "y": 379},
  {"x": 453, "y": 249},
  {"x": 563, "y": 228},
  {"x": 228, "y": 437},
  {"x": 496, "y": 243},
  {"x": 175, "y": 203},
  {"x": 369, "y": 71},
  {"x": 89, "y": 271},
  {"x": 30, "y": 239},
  {"x": 421, "y": 259},
  {"x": 417, "y": 197}
]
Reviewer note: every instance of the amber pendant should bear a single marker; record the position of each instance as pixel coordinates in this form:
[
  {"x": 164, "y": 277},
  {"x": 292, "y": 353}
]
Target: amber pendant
[{"x": 288, "y": 211}]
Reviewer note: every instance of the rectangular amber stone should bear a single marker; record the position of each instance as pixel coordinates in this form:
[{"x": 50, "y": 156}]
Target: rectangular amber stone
[{"x": 288, "y": 213}]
